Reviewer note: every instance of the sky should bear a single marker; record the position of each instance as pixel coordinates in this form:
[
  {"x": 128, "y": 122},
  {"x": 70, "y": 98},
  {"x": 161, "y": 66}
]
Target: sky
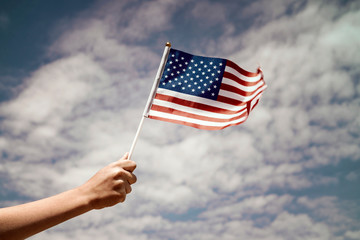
[{"x": 75, "y": 78}]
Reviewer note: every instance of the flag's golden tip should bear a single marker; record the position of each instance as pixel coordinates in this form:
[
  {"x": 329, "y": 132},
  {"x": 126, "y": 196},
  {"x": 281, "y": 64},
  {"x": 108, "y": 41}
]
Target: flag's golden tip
[{"x": 168, "y": 44}]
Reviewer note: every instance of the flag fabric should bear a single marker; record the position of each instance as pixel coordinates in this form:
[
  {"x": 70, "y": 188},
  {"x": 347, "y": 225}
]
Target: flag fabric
[{"x": 205, "y": 92}]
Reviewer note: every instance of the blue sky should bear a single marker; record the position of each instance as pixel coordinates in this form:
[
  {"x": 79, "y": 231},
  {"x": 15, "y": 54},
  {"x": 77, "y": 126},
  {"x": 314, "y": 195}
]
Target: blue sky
[{"x": 74, "y": 79}]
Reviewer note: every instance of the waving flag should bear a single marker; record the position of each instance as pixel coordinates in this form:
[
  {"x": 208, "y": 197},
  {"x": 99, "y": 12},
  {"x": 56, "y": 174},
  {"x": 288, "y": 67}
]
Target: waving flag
[{"x": 204, "y": 92}]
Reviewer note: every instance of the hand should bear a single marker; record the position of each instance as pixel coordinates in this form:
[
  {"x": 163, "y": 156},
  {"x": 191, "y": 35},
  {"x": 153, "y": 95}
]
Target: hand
[
  {"x": 110, "y": 185},
  {"x": 106, "y": 188}
]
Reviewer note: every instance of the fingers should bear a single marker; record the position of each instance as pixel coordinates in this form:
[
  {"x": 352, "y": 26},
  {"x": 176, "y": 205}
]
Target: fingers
[
  {"x": 122, "y": 191},
  {"x": 132, "y": 179},
  {"x": 123, "y": 188},
  {"x": 126, "y": 176},
  {"x": 127, "y": 188},
  {"x": 128, "y": 165},
  {"x": 125, "y": 157}
]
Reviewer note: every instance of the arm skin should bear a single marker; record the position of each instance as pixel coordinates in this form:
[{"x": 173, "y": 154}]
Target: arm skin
[{"x": 106, "y": 188}]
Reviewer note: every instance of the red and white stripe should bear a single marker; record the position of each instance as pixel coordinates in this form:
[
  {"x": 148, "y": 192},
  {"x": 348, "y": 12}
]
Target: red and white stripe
[{"x": 239, "y": 93}]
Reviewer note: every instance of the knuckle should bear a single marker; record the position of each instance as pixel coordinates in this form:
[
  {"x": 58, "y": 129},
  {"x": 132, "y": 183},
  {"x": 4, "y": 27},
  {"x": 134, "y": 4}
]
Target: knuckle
[
  {"x": 120, "y": 184},
  {"x": 121, "y": 173},
  {"x": 122, "y": 198}
]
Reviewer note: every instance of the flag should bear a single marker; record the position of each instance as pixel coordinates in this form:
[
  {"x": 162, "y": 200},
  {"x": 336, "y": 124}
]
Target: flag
[{"x": 205, "y": 92}]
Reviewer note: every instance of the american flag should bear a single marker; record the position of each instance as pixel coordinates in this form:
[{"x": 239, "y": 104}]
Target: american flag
[{"x": 205, "y": 92}]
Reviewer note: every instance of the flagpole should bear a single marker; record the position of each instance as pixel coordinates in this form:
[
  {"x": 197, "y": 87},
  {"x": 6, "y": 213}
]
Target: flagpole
[{"x": 151, "y": 96}]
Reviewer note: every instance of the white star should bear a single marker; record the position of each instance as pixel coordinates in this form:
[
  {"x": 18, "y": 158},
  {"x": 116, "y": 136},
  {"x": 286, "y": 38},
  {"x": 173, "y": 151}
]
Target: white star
[
  {"x": 193, "y": 90},
  {"x": 211, "y": 63},
  {"x": 176, "y": 60},
  {"x": 220, "y": 64},
  {"x": 183, "y": 88},
  {"x": 173, "y": 85},
  {"x": 213, "y": 74},
  {"x": 199, "y": 87},
  {"x": 199, "y": 69},
  {"x": 213, "y": 94},
  {"x": 192, "y": 60},
  {"x": 202, "y": 92},
  {"x": 201, "y": 62},
  {"x": 219, "y": 71},
  {"x": 168, "y": 69},
  {"x": 215, "y": 86},
  {"x": 205, "y": 66},
  {"x": 170, "y": 62},
  {"x": 180, "y": 65},
  {"x": 182, "y": 58},
  {"x": 207, "y": 77},
  {"x": 189, "y": 85},
  {"x": 195, "y": 65},
  {"x": 178, "y": 72},
  {"x": 174, "y": 67},
  {"x": 190, "y": 67},
  {"x": 214, "y": 67},
  {"x": 173, "y": 55},
  {"x": 186, "y": 63}
]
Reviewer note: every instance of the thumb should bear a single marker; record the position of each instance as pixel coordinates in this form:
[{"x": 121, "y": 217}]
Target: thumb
[{"x": 125, "y": 156}]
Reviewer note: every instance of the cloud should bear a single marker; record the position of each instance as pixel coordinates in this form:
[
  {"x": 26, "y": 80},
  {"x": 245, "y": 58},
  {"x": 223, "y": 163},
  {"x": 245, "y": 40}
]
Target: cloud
[
  {"x": 80, "y": 111},
  {"x": 144, "y": 23},
  {"x": 209, "y": 14},
  {"x": 352, "y": 176},
  {"x": 268, "y": 205},
  {"x": 352, "y": 234},
  {"x": 291, "y": 51},
  {"x": 265, "y": 11}
]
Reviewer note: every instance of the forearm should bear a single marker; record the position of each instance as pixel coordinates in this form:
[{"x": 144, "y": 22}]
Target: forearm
[
  {"x": 25, "y": 220},
  {"x": 106, "y": 188}
]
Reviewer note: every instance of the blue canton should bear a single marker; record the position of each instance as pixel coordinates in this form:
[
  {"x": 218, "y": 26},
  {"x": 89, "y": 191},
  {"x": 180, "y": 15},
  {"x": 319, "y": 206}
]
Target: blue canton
[{"x": 194, "y": 75}]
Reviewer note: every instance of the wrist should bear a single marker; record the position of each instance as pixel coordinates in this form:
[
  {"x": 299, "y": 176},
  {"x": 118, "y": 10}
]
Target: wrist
[{"x": 84, "y": 197}]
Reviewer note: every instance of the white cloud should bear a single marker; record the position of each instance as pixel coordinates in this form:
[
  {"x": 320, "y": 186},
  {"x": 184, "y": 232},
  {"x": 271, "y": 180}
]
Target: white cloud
[
  {"x": 209, "y": 14},
  {"x": 352, "y": 234},
  {"x": 80, "y": 112},
  {"x": 352, "y": 176},
  {"x": 265, "y": 11},
  {"x": 51, "y": 93},
  {"x": 265, "y": 205}
]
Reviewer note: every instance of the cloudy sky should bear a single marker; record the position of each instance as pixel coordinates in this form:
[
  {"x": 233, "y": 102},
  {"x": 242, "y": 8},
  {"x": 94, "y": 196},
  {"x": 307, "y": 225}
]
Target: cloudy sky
[{"x": 75, "y": 77}]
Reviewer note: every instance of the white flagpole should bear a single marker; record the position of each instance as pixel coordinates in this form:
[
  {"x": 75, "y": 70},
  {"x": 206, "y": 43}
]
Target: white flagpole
[{"x": 152, "y": 95}]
